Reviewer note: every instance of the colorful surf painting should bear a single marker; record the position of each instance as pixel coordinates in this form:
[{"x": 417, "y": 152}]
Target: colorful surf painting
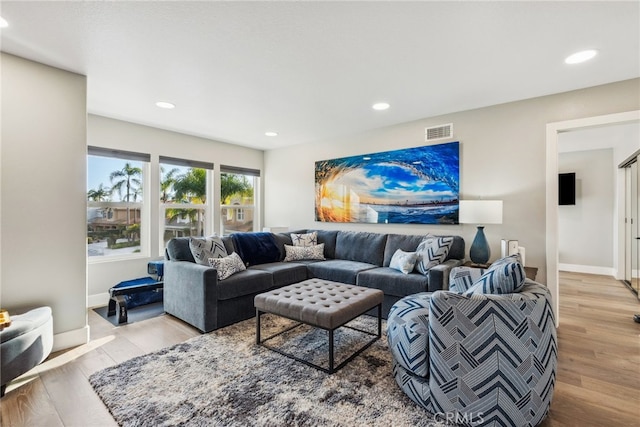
[{"x": 410, "y": 186}]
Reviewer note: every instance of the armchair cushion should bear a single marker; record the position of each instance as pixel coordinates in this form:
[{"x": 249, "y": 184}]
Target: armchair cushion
[
  {"x": 505, "y": 276},
  {"x": 462, "y": 278}
]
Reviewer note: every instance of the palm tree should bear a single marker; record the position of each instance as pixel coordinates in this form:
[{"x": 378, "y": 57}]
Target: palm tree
[
  {"x": 100, "y": 194},
  {"x": 129, "y": 177},
  {"x": 191, "y": 187},
  {"x": 166, "y": 182},
  {"x": 231, "y": 184}
]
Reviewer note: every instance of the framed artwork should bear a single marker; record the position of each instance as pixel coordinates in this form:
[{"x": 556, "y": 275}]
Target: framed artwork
[{"x": 409, "y": 186}]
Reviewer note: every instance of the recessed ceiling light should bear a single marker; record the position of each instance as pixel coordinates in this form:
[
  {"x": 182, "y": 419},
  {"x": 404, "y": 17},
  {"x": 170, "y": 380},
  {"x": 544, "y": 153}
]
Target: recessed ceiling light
[
  {"x": 164, "y": 104},
  {"x": 380, "y": 106},
  {"x": 581, "y": 56},
  {"x": 3, "y": 22},
  {"x": 271, "y": 133}
]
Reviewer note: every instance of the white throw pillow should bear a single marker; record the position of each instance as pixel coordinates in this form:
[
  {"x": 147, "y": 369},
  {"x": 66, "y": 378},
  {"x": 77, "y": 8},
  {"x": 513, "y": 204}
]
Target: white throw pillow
[
  {"x": 403, "y": 261},
  {"x": 208, "y": 247},
  {"x": 228, "y": 265},
  {"x": 308, "y": 239},
  {"x": 433, "y": 250},
  {"x": 297, "y": 253}
]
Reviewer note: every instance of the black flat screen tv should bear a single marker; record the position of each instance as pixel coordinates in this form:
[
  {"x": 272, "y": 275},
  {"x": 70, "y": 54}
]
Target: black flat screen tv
[{"x": 567, "y": 188}]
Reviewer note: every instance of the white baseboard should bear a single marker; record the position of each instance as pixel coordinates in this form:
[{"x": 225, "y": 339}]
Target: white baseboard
[
  {"x": 587, "y": 269},
  {"x": 98, "y": 300},
  {"x": 70, "y": 339}
]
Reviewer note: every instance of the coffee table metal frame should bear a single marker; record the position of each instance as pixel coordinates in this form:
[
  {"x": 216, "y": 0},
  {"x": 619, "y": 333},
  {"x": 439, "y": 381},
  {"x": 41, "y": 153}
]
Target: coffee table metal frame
[{"x": 332, "y": 368}]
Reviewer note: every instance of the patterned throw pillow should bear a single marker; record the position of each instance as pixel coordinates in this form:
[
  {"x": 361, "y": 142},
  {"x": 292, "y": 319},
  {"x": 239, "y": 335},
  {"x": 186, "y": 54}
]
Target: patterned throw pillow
[
  {"x": 297, "y": 253},
  {"x": 462, "y": 278},
  {"x": 505, "y": 276},
  {"x": 309, "y": 239},
  {"x": 205, "y": 248},
  {"x": 433, "y": 250},
  {"x": 403, "y": 261},
  {"x": 228, "y": 265}
]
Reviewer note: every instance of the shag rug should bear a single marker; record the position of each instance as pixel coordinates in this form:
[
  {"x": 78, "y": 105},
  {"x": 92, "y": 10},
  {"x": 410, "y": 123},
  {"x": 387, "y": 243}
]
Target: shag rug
[{"x": 224, "y": 379}]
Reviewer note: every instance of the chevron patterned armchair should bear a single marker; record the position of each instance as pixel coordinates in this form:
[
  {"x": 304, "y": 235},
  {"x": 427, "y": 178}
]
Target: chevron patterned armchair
[{"x": 477, "y": 359}]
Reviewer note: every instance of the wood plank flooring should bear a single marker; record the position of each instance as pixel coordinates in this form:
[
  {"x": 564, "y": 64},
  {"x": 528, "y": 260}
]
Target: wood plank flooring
[{"x": 598, "y": 382}]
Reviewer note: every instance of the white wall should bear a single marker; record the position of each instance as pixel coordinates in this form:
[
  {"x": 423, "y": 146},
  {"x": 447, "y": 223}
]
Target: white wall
[
  {"x": 43, "y": 158},
  {"x": 586, "y": 229},
  {"x": 117, "y": 134},
  {"x": 503, "y": 156}
]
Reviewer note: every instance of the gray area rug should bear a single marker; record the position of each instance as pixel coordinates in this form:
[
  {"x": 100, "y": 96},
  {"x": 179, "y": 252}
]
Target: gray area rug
[{"x": 224, "y": 379}]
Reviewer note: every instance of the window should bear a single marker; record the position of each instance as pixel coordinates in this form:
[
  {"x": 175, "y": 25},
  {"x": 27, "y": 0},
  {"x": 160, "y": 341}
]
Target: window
[
  {"x": 237, "y": 197},
  {"x": 115, "y": 203},
  {"x": 184, "y": 198}
]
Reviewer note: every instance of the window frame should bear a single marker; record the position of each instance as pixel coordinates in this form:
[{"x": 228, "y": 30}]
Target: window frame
[{"x": 144, "y": 204}]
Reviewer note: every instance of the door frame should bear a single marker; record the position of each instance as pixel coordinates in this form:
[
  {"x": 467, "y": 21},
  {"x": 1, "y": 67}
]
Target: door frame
[{"x": 553, "y": 129}]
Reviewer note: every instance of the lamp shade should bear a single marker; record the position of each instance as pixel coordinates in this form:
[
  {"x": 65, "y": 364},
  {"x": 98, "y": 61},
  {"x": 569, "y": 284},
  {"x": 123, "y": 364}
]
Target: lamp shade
[{"x": 480, "y": 212}]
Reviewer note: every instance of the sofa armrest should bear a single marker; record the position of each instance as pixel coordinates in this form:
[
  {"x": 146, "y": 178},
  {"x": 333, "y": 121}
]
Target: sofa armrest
[
  {"x": 190, "y": 293},
  {"x": 439, "y": 275}
]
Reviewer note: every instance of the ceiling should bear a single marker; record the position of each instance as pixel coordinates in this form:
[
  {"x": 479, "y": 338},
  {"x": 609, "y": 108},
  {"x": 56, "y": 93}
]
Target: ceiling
[{"x": 311, "y": 70}]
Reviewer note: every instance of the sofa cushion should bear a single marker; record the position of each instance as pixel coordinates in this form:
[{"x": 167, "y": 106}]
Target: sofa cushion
[
  {"x": 281, "y": 240},
  {"x": 505, "y": 276},
  {"x": 338, "y": 270},
  {"x": 392, "y": 282},
  {"x": 178, "y": 249},
  {"x": 247, "y": 282},
  {"x": 361, "y": 246},
  {"x": 408, "y": 333},
  {"x": 203, "y": 248},
  {"x": 304, "y": 239},
  {"x": 433, "y": 250},
  {"x": 406, "y": 242},
  {"x": 256, "y": 248},
  {"x": 328, "y": 237},
  {"x": 284, "y": 273},
  {"x": 227, "y": 266},
  {"x": 297, "y": 253},
  {"x": 403, "y": 261}
]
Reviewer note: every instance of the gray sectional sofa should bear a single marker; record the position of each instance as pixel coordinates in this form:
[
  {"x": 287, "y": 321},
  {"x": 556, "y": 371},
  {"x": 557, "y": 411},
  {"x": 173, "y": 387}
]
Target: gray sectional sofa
[{"x": 193, "y": 293}]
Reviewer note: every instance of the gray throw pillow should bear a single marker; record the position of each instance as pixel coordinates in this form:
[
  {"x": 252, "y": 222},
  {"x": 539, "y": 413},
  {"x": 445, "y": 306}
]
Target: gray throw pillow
[
  {"x": 403, "y": 261},
  {"x": 297, "y": 253}
]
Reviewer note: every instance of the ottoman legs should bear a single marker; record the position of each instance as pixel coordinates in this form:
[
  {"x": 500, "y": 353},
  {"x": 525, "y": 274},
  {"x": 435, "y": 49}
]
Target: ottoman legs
[{"x": 332, "y": 368}]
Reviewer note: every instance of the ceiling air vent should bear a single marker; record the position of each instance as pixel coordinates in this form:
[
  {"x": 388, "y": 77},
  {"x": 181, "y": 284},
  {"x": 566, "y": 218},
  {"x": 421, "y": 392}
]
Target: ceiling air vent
[{"x": 438, "y": 132}]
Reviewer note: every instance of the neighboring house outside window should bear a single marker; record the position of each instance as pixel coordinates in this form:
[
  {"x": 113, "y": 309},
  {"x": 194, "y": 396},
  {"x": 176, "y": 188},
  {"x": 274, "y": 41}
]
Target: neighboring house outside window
[
  {"x": 238, "y": 191},
  {"x": 115, "y": 204}
]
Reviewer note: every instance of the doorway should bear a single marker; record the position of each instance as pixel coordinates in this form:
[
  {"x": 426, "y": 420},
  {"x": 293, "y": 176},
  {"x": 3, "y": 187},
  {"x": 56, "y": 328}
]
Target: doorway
[
  {"x": 632, "y": 223},
  {"x": 551, "y": 199}
]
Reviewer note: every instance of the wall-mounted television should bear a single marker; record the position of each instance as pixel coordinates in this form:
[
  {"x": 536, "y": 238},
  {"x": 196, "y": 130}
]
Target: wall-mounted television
[{"x": 567, "y": 188}]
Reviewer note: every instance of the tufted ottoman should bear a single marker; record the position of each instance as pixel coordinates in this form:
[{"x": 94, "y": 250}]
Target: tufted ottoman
[{"x": 321, "y": 304}]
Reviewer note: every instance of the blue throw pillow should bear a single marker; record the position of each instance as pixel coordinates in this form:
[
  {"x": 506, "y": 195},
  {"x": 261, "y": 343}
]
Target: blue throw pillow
[{"x": 505, "y": 276}]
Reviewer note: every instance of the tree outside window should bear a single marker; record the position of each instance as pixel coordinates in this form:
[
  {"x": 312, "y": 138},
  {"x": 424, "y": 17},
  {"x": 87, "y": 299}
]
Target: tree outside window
[{"x": 114, "y": 206}]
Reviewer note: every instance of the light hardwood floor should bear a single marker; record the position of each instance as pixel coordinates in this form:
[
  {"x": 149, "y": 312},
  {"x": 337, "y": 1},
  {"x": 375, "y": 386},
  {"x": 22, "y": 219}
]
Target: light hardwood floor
[{"x": 598, "y": 382}]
